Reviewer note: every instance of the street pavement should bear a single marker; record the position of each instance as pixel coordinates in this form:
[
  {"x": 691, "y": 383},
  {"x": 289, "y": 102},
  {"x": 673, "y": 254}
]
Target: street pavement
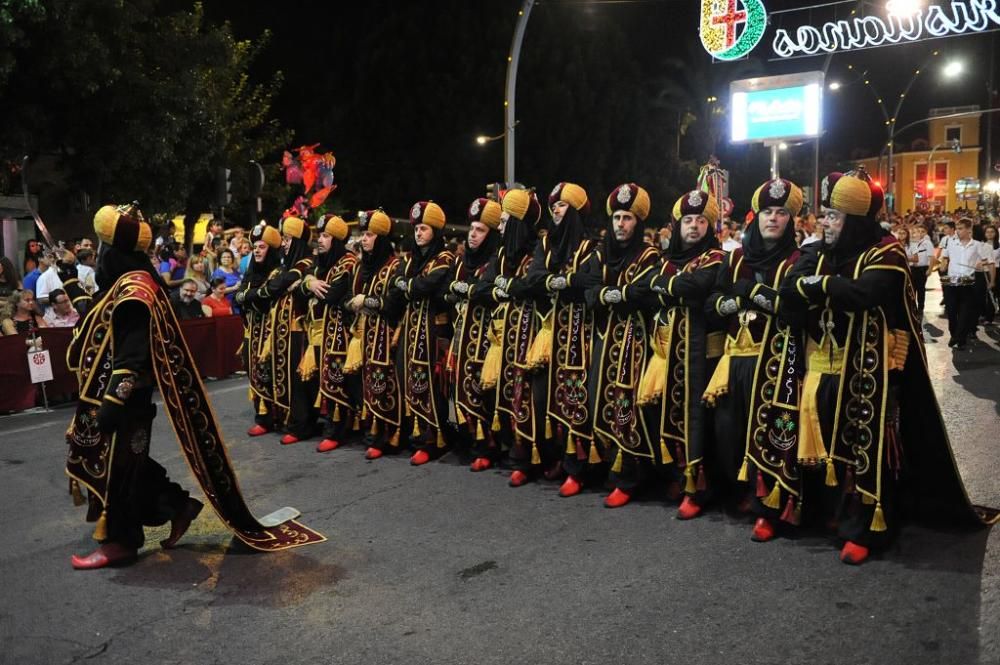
[{"x": 439, "y": 565}]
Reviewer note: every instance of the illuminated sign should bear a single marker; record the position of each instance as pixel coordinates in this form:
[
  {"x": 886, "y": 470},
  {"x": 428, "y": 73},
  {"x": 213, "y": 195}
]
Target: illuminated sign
[
  {"x": 776, "y": 108},
  {"x": 731, "y": 28}
]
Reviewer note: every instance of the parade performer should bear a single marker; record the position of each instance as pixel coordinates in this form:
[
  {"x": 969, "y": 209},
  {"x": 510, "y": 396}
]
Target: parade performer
[
  {"x": 686, "y": 346},
  {"x": 265, "y": 265},
  {"x": 373, "y": 338},
  {"x": 520, "y": 410},
  {"x": 473, "y": 404},
  {"x": 619, "y": 353},
  {"x": 757, "y": 341},
  {"x": 562, "y": 349},
  {"x": 128, "y": 345},
  {"x": 420, "y": 285},
  {"x": 868, "y": 411},
  {"x": 293, "y": 392},
  {"x": 332, "y": 285}
]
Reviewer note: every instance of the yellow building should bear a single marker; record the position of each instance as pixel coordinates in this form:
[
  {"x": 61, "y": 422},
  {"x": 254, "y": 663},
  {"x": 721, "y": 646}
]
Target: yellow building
[{"x": 911, "y": 182}]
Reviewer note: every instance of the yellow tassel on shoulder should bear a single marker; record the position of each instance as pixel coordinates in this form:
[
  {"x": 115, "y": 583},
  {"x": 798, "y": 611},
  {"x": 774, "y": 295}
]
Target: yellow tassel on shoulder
[
  {"x": 101, "y": 528},
  {"x": 831, "y": 473},
  {"x": 773, "y": 500},
  {"x": 744, "y": 474},
  {"x": 689, "y": 485},
  {"x": 535, "y": 457},
  {"x": 496, "y": 422},
  {"x": 595, "y": 456},
  {"x": 480, "y": 434},
  {"x": 665, "y": 456},
  {"x": 878, "y": 520},
  {"x": 548, "y": 428},
  {"x": 619, "y": 463}
]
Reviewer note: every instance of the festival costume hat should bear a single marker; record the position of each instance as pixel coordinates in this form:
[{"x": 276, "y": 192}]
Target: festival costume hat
[
  {"x": 852, "y": 193},
  {"x": 296, "y": 228},
  {"x": 778, "y": 193},
  {"x": 522, "y": 204},
  {"x": 375, "y": 221},
  {"x": 697, "y": 202},
  {"x": 629, "y": 197},
  {"x": 267, "y": 233},
  {"x": 123, "y": 227},
  {"x": 485, "y": 211},
  {"x": 570, "y": 193},
  {"x": 429, "y": 213},
  {"x": 333, "y": 226}
]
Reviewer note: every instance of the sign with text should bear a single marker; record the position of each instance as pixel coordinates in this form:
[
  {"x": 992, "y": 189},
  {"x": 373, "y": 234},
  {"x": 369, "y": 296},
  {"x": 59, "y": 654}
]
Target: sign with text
[
  {"x": 776, "y": 108},
  {"x": 40, "y": 366}
]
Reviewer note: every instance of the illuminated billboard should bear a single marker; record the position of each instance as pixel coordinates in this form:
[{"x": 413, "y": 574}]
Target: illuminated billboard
[{"x": 776, "y": 108}]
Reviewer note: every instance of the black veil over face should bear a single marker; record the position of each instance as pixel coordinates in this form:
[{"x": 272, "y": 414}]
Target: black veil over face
[
  {"x": 297, "y": 250},
  {"x": 566, "y": 237},
  {"x": 518, "y": 241},
  {"x": 372, "y": 261},
  {"x": 755, "y": 251}
]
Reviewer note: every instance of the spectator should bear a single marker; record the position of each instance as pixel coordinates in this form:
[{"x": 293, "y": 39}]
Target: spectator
[
  {"x": 173, "y": 264},
  {"x": 9, "y": 279},
  {"x": 919, "y": 254},
  {"x": 32, "y": 250},
  {"x": 246, "y": 253},
  {"x": 227, "y": 271},
  {"x": 236, "y": 239},
  {"x": 61, "y": 314},
  {"x": 729, "y": 243},
  {"x": 166, "y": 235},
  {"x": 185, "y": 305},
  {"x": 25, "y": 320},
  {"x": 216, "y": 301},
  {"x": 85, "y": 270},
  {"x": 214, "y": 232},
  {"x": 196, "y": 273},
  {"x": 47, "y": 281}
]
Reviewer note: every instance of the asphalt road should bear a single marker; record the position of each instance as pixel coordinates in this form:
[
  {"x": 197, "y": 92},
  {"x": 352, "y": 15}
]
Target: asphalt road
[{"x": 439, "y": 565}]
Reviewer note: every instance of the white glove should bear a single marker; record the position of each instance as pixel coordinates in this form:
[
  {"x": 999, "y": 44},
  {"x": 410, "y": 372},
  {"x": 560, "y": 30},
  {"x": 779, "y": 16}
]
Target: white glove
[
  {"x": 612, "y": 296},
  {"x": 557, "y": 283},
  {"x": 401, "y": 284},
  {"x": 501, "y": 282},
  {"x": 728, "y": 306},
  {"x": 372, "y": 303},
  {"x": 501, "y": 294},
  {"x": 460, "y": 287}
]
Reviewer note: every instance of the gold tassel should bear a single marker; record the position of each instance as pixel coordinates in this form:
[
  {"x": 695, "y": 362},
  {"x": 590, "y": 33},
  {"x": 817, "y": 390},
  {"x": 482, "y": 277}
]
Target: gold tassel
[
  {"x": 364, "y": 411},
  {"x": 570, "y": 446},
  {"x": 374, "y": 428},
  {"x": 689, "y": 485},
  {"x": 261, "y": 408},
  {"x": 307, "y": 364},
  {"x": 249, "y": 395},
  {"x": 496, "y": 422},
  {"x": 831, "y": 473},
  {"x": 595, "y": 456},
  {"x": 548, "y": 428},
  {"x": 336, "y": 414},
  {"x": 460, "y": 417},
  {"x": 619, "y": 463},
  {"x": 878, "y": 521},
  {"x": 101, "y": 528},
  {"x": 394, "y": 441},
  {"x": 74, "y": 490},
  {"x": 744, "y": 474},
  {"x": 540, "y": 351},
  {"x": 535, "y": 457},
  {"x": 357, "y": 422},
  {"x": 440, "y": 439},
  {"x": 665, "y": 456},
  {"x": 354, "y": 356},
  {"x": 319, "y": 399},
  {"x": 490, "y": 373},
  {"x": 480, "y": 434},
  {"x": 773, "y": 500},
  {"x": 416, "y": 428}
]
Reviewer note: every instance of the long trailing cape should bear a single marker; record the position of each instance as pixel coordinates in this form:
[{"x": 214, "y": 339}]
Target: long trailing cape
[{"x": 187, "y": 406}]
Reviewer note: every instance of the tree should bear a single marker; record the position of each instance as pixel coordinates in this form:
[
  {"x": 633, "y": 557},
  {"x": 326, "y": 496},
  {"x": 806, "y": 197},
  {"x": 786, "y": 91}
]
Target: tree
[{"x": 135, "y": 100}]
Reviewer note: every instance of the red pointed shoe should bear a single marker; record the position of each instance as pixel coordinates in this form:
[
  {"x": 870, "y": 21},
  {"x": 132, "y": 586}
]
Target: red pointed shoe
[
  {"x": 617, "y": 499},
  {"x": 373, "y": 453},
  {"x": 763, "y": 531},
  {"x": 480, "y": 464},
  {"x": 289, "y": 439},
  {"x": 570, "y": 487},
  {"x": 689, "y": 508},
  {"x": 179, "y": 525},
  {"x": 257, "y": 430},
  {"x": 420, "y": 457},
  {"x": 108, "y": 554},
  {"x": 853, "y": 553},
  {"x": 326, "y": 445},
  {"x": 517, "y": 479}
]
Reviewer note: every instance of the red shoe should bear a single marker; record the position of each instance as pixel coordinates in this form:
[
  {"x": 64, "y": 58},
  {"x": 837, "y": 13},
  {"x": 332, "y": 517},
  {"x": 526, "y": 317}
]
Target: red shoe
[
  {"x": 179, "y": 525},
  {"x": 373, "y": 453},
  {"x": 420, "y": 457},
  {"x": 689, "y": 508},
  {"x": 257, "y": 430},
  {"x": 763, "y": 531},
  {"x": 480, "y": 464},
  {"x": 326, "y": 445},
  {"x": 674, "y": 490},
  {"x": 289, "y": 439},
  {"x": 517, "y": 479},
  {"x": 617, "y": 499},
  {"x": 853, "y": 553},
  {"x": 570, "y": 487},
  {"x": 108, "y": 554}
]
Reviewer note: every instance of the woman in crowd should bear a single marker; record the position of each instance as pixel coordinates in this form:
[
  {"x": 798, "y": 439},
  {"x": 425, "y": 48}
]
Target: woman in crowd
[
  {"x": 10, "y": 281},
  {"x": 173, "y": 264},
  {"x": 228, "y": 272},
  {"x": 216, "y": 301},
  {"x": 246, "y": 249},
  {"x": 25, "y": 319},
  {"x": 196, "y": 272},
  {"x": 32, "y": 251}
]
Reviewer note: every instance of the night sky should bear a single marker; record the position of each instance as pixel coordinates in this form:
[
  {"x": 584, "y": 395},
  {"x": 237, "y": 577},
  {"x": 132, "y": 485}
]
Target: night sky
[{"x": 398, "y": 91}]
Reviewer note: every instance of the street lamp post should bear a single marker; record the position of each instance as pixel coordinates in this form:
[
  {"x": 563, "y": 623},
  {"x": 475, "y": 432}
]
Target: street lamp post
[{"x": 511, "y": 90}]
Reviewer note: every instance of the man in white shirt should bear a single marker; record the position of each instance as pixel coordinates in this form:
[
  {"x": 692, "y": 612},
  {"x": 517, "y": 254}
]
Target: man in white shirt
[
  {"x": 729, "y": 243},
  {"x": 85, "y": 272},
  {"x": 919, "y": 253},
  {"x": 47, "y": 281},
  {"x": 61, "y": 314},
  {"x": 961, "y": 258}
]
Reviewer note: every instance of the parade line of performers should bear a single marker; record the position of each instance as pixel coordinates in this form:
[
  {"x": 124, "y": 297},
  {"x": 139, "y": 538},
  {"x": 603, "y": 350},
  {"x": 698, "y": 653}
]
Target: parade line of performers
[{"x": 786, "y": 383}]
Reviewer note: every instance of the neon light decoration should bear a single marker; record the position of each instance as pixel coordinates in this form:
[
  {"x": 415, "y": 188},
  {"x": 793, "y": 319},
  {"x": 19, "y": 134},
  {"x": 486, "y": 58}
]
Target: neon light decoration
[{"x": 721, "y": 20}]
